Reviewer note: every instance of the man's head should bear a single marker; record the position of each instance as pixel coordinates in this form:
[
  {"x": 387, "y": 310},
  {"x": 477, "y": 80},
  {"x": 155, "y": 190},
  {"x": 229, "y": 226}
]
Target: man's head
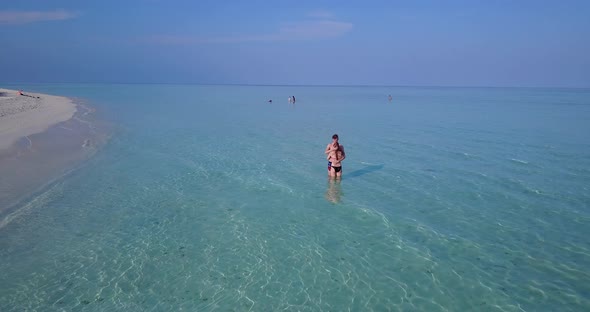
[{"x": 335, "y": 140}]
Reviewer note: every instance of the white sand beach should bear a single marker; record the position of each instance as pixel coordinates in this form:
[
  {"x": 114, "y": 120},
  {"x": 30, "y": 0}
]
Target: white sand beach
[{"x": 24, "y": 115}]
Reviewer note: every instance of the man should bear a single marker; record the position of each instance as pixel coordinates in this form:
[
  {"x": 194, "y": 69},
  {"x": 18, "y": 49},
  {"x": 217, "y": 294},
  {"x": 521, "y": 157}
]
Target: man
[{"x": 332, "y": 147}]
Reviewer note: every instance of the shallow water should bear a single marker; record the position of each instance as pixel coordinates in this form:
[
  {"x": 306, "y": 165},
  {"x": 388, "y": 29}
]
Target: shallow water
[{"x": 210, "y": 198}]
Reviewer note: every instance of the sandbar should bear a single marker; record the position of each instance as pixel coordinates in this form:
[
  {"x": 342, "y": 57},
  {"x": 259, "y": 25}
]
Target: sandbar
[{"x": 30, "y": 113}]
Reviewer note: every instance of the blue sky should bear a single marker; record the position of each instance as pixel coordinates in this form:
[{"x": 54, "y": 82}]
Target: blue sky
[{"x": 442, "y": 43}]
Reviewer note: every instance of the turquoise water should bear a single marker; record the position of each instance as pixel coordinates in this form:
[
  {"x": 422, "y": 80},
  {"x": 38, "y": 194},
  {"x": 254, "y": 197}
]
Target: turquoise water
[{"x": 209, "y": 198}]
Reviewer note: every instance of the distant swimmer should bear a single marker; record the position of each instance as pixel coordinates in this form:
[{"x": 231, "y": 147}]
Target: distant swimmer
[
  {"x": 290, "y": 100},
  {"x": 390, "y": 98},
  {"x": 270, "y": 101},
  {"x": 293, "y": 97}
]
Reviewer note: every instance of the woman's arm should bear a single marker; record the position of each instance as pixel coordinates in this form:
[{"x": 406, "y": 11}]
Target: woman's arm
[{"x": 328, "y": 149}]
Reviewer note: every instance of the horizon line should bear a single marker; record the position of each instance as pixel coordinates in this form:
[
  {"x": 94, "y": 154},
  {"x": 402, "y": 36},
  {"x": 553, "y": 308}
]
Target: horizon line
[{"x": 299, "y": 85}]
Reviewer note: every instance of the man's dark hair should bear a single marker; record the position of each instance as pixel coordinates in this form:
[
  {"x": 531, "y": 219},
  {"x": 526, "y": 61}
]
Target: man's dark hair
[{"x": 335, "y": 136}]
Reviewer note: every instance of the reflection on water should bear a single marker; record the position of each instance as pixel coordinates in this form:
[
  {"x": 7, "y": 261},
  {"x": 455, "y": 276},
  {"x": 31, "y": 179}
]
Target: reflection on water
[{"x": 334, "y": 192}]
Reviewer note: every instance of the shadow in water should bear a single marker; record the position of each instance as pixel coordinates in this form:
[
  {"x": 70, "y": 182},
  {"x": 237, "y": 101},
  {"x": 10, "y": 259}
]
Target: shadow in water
[{"x": 360, "y": 172}]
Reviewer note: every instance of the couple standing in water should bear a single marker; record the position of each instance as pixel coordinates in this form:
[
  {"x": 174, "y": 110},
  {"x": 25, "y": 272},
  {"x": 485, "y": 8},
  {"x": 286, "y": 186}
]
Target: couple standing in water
[{"x": 335, "y": 155}]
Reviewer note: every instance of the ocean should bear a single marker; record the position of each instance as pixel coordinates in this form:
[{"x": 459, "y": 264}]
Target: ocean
[{"x": 210, "y": 198}]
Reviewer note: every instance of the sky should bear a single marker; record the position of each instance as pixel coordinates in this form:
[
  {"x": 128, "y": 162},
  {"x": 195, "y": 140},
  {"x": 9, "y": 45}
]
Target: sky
[{"x": 395, "y": 43}]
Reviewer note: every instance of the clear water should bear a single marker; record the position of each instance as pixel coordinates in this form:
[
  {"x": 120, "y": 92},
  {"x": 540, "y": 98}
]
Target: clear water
[{"x": 209, "y": 198}]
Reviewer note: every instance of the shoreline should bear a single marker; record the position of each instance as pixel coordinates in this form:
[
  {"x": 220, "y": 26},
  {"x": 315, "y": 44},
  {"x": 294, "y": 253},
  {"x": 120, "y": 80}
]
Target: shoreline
[
  {"x": 30, "y": 113},
  {"x": 41, "y": 140}
]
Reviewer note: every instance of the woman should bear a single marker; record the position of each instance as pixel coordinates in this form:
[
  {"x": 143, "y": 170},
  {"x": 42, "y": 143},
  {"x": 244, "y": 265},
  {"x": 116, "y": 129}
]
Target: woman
[{"x": 336, "y": 156}]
